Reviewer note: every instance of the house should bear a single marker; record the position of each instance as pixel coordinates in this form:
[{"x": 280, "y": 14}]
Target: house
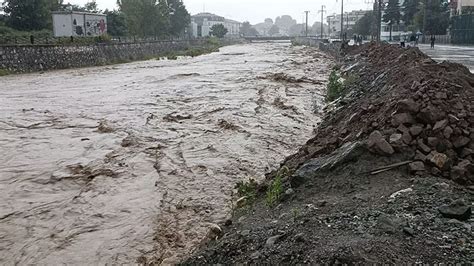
[
  {"x": 202, "y": 23},
  {"x": 78, "y": 24}
]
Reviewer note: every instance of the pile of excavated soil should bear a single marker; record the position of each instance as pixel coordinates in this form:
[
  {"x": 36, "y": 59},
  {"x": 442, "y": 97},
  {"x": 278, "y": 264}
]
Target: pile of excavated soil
[{"x": 388, "y": 176}]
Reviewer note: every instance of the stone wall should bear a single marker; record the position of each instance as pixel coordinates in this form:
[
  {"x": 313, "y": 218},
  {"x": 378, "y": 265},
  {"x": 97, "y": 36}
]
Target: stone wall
[{"x": 28, "y": 58}]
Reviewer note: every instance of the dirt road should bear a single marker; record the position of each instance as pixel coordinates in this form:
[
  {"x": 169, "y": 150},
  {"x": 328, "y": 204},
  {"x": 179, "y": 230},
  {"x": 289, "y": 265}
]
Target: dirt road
[{"x": 109, "y": 164}]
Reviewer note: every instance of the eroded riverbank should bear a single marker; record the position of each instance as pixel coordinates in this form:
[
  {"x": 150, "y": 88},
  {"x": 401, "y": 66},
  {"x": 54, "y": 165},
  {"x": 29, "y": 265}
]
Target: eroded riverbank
[{"x": 109, "y": 164}]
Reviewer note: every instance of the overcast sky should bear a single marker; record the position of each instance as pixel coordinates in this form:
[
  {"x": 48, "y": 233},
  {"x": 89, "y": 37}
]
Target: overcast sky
[{"x": 256, "y": 11}]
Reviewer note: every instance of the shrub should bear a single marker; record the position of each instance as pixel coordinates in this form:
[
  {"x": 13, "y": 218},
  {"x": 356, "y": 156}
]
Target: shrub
[
  {"x": 275, "y": 190},
  {"x": 334, "y": 87}
]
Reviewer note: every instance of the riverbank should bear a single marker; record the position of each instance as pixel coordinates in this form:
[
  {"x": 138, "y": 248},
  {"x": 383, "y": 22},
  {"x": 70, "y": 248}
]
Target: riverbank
[
  {"x": 388, "y": 178},
  {"x": 31, "y": 58}
]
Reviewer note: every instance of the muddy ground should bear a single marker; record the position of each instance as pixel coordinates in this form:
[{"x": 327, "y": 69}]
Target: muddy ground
[
  {"x": 138, "y": 161},
  {"x": 387, "y": 178}
]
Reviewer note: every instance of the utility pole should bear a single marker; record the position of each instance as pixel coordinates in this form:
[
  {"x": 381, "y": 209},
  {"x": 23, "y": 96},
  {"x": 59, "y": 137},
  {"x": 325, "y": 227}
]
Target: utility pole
[
  {"x": 342, "y": 19},
  {"x": 306, "y": 32},
  {"x": 322, "y": 20},
  {"x": 379, "y": 20},
  {"x": 347, "y": 22}
]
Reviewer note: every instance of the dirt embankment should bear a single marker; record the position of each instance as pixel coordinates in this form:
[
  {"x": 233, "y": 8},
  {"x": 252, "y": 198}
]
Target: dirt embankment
[{"x": 388, "y": 177}]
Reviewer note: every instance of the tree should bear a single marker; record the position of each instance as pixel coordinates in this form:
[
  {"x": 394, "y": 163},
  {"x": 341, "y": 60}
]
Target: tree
[
  {"x": 30, "y": 15},
  {"x": 154, "y": 17},
  {"x": 365, "y": 26},
  {"x": 436, "y": 15},
  {"x": 92, "y": 7},
  {"x": 180, "y": 17},
  {"x": 116, "y": 23},
  {"x": 392, "y": 14},
  {"x": 274, "y": 30},
  {"x": 247, "y": 30},
  {"x": 297, "y": 30},
  {"x": 410, "y": 8},
  {"x": 218, "y": 30}
]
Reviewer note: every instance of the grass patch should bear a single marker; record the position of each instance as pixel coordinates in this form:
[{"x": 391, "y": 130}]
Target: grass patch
[
  {"x": 4, "y": 72},
  {"x": 334, "y": 87},
  {"x": 247, "y": 190},
  {"x": 338, "y": 86},
  {"x": 275, "y": 189}
]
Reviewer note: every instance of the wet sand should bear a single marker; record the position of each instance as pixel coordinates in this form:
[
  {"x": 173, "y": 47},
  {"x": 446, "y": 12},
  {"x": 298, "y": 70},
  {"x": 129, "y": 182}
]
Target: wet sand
[{"x": 109, "y": 164}]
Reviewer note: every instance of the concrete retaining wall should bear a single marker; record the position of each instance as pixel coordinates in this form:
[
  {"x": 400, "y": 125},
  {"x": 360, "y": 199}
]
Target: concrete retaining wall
[{"x": 30, "y": 58}]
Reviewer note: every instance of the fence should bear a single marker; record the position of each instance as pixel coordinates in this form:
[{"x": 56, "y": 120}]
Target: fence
[{"x": 462, "y": 29}]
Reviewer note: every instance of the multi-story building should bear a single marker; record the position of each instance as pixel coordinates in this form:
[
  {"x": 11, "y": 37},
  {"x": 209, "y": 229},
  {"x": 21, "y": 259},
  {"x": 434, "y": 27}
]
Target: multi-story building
[
  {"x": 349, "y": 21},
  {"x": 202, "y": 23},
  {"x": 464, "y": 4}
]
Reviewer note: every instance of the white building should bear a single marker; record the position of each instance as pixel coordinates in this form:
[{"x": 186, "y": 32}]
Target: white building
[
  {"x": 349, "y": 21},
  {"x": 202, "y": 23},
  {"x": 399, "y": 31},
  {"x": 463, "y": 4},
  {"x": 78, "y": 24}
]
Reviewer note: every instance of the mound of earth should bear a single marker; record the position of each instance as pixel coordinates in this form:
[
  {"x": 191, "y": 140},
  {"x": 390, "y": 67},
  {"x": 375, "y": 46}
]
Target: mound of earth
[{"x": 388, "y": 176}]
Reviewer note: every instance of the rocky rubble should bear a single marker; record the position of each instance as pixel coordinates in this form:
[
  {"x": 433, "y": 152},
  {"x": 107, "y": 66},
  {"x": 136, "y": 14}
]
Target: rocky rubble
[{"x": 405, "y": 103}]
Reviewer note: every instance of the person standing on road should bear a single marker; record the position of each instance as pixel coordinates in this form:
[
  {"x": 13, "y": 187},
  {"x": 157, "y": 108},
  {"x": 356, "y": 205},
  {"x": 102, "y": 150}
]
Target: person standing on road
[
  {"x": 412, "y": 40},
  {"x": 433, "y": 39}
]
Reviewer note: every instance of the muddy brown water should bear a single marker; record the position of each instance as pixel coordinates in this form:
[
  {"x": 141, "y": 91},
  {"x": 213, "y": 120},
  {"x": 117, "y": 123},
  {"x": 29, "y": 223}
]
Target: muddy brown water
[{"x": 109, "y": 164}]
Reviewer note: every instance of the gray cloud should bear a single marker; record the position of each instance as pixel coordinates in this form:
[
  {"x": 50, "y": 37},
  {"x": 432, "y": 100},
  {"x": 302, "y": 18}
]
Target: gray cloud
[{"x": 256, "y": 11}]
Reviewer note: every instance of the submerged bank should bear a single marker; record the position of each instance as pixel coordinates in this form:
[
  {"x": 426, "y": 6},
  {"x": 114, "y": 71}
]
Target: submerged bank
[
  {"x": 387, "y": 178},
  {"x": 139, "y": 161}
]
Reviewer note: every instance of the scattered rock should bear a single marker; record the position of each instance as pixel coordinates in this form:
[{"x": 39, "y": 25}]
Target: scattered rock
[
  {"x": 403, "y": 119},
  {"x": 408, "y": 105},
  {"x": 440, "y": 125},
  {"x": 447, "y": 132},
  {"x": 273, "y": 240},
  {"x": 457, "y": 210},
  {"x": 416, "y": 130},
  {"x": 416, "y": 166},
  {"x": 440, "y": 160},
  {"x": 395, "y": 138},
  {"x": 409, "y": 231},
  {"x": 216, "y": 230},
  {"x": 461, "y": 141},
  {"x": 378, "y": 144},
  {"x": 422, "y": 146}
]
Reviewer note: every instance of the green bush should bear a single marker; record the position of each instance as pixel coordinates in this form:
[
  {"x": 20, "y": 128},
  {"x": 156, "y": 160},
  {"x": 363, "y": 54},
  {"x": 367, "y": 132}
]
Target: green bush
[{"x": 334, "y": 87}]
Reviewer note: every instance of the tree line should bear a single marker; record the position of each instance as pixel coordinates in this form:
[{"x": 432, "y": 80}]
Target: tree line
[
  {"x": 428, "y": 16},
  {"x": 160, "y": 18}
]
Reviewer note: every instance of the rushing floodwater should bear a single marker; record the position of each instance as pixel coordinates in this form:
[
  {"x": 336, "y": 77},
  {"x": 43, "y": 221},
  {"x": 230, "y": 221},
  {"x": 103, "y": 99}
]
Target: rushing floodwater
[{"x": 109, "y": 164}]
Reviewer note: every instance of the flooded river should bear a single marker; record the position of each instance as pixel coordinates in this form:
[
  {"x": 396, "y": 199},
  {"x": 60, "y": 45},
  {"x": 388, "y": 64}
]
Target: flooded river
[{"x": 116, "y": 163}]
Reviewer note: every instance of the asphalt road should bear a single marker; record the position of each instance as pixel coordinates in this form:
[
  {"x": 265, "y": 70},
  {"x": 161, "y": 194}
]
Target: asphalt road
[{"x": 458, "y": 54}]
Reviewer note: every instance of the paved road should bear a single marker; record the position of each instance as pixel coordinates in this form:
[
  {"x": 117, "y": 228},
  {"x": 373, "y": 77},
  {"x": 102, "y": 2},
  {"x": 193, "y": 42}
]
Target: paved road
[{"x": 458, "y": 54}]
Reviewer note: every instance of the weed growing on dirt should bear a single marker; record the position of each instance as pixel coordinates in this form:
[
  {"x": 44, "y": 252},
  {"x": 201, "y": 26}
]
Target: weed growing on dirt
[
  {"x": 247, "y": 189},
  {"x": 338, "y": 86},
  {"x": 276, "y": 187},
  {"x": 334, "y": 87}
]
